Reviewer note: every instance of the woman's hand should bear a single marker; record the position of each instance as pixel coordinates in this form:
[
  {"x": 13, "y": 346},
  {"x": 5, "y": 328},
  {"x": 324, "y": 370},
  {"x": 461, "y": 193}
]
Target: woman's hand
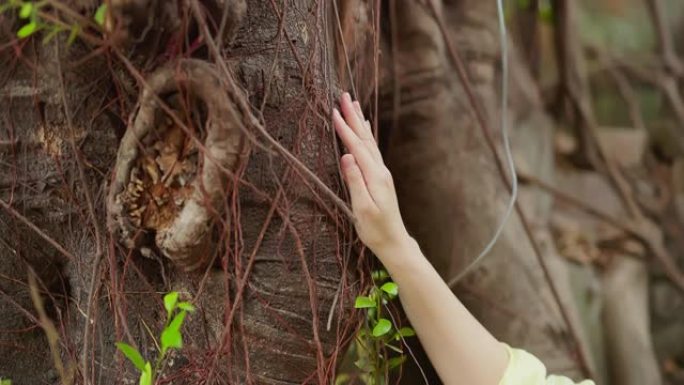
[
  {"x": 459, "y": 347},
  {"x": 374, "y": 200}
]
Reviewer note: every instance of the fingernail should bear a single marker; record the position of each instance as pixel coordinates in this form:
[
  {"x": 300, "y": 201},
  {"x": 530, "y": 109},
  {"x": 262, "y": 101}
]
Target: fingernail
[
  {"x": 336, "y": 113},
  {"x": 346, "y": 96}
]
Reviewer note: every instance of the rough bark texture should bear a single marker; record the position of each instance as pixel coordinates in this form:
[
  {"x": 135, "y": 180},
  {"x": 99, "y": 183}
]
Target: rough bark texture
[
  {"x": 149, "y": 145},
  {"x": 451, "y": 194},
  {"x": 283, "y": 249},
  {"x": 40, "y": 178},
  {"x": 283, "y": 261}
]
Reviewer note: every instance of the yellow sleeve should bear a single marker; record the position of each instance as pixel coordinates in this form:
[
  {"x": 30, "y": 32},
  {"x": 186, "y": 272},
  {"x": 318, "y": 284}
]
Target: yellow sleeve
[{"x": 526, "y": 369}]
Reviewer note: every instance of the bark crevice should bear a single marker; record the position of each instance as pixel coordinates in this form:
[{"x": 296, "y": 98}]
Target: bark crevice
[{"x": 168, "y": 181}]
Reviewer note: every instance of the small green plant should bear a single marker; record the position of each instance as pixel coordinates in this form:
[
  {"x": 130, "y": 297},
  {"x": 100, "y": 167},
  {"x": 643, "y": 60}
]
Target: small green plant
[
  {"x": 5, "y": 381},
  {"x": 171, "y": 338},
  {"x": 100, "y": 14},
  {"x": 376, "y": 351},
  {"x": 29, "y": 11}
]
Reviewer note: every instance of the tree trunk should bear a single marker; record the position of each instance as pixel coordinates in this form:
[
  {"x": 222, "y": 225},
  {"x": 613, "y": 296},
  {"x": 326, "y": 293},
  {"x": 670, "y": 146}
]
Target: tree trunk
[
  {"x": 451, "y": 195},
  {"x": 280, "y": 246}
]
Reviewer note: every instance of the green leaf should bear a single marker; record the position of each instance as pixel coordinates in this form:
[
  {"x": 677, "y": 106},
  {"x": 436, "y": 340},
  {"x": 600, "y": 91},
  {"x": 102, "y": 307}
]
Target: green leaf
[
  {"x": 390, "y": 288},
  {"x": 170, "y": 301},
  {"x": 171, "y": 339},
  {"x": 73, "y": 34},
  {"x": 177, "y": 321},
  {"x": 5, "y": 382},
  {"x": 146, "y": 375},
  {"x": 187, "y": 306},
  {"x": 100, "y": 14},
  {"x": 396, "y": 362},
  {"x": 406, "y": 332},
  {"x": 132, "y": 354},
  {"x": 379, "y": 275},
  {"x": 171, "y": 336},
  {"x": 27, "y": 30},
  {"x": 382, "y": 327},
  {"x": 26, "y": 10},
  {"x": 341, "y": 379},
  {"x": 363, "y": 302}
]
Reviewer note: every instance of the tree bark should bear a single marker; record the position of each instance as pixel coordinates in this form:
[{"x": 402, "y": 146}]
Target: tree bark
[
  {"x": 282, "y": 257},
  {"x": 451, "y": 195}
]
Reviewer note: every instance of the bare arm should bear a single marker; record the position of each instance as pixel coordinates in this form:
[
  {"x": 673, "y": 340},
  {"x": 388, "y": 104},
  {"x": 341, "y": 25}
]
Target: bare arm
[{"x": 459, "y": 347}]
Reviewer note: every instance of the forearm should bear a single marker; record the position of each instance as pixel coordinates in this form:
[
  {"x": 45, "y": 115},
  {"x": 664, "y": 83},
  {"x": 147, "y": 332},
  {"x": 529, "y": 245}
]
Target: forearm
[{"x": 460, "y": 348}]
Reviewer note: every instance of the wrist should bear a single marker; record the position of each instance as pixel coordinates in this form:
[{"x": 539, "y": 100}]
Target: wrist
[{"x": 402, "y": 254}]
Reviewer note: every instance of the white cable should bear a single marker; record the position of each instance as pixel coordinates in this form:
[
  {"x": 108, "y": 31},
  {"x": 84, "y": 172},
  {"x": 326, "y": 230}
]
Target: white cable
[{"x": 507, "y": 146}]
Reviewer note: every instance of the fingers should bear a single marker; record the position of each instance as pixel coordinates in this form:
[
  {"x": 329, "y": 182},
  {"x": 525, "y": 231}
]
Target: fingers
[
  {"x": 360, "y": 196},
  {"x": 353, "y": 115},
  {"x": 356, "y": 147},
  {"x": 359, "y": 111},
  {"x": 367, "y": 133},
  {"x": 366, "y": 123}
]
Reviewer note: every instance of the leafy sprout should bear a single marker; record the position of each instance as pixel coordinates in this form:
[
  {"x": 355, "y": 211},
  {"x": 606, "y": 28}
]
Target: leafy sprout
[
  {"x": 374, "y": 341},
  {"x": 100, "y": 14},
  {"x": 171, "y": 338},
  {"x": 30, "y": 13}
]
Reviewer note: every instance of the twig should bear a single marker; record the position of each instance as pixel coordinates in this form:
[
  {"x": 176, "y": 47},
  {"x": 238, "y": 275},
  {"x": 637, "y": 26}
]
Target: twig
[
  {"x": 66, "y": 375},
  {"x": 254, "y": 122},
  {"x": 642, "y": 228},
  {"x": 654, "y": 76},
  {"x": 572, "y": 80},
  {"x": 639, "y": 230},
  {"x": 630, "y": 97},
  {"x": 37, "y": 230},
  {"x": 8, "y": 144},
  {"x": 547, "y": 187},
  {"x": 665, "y": 44}
]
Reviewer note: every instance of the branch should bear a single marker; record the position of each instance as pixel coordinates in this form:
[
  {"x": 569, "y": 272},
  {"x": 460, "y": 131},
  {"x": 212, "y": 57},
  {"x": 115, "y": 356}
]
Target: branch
[
  {"x": 644, "y": 230},
  {"x": 665, "y": 45},
  {"x": 641, "y": 226}
]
